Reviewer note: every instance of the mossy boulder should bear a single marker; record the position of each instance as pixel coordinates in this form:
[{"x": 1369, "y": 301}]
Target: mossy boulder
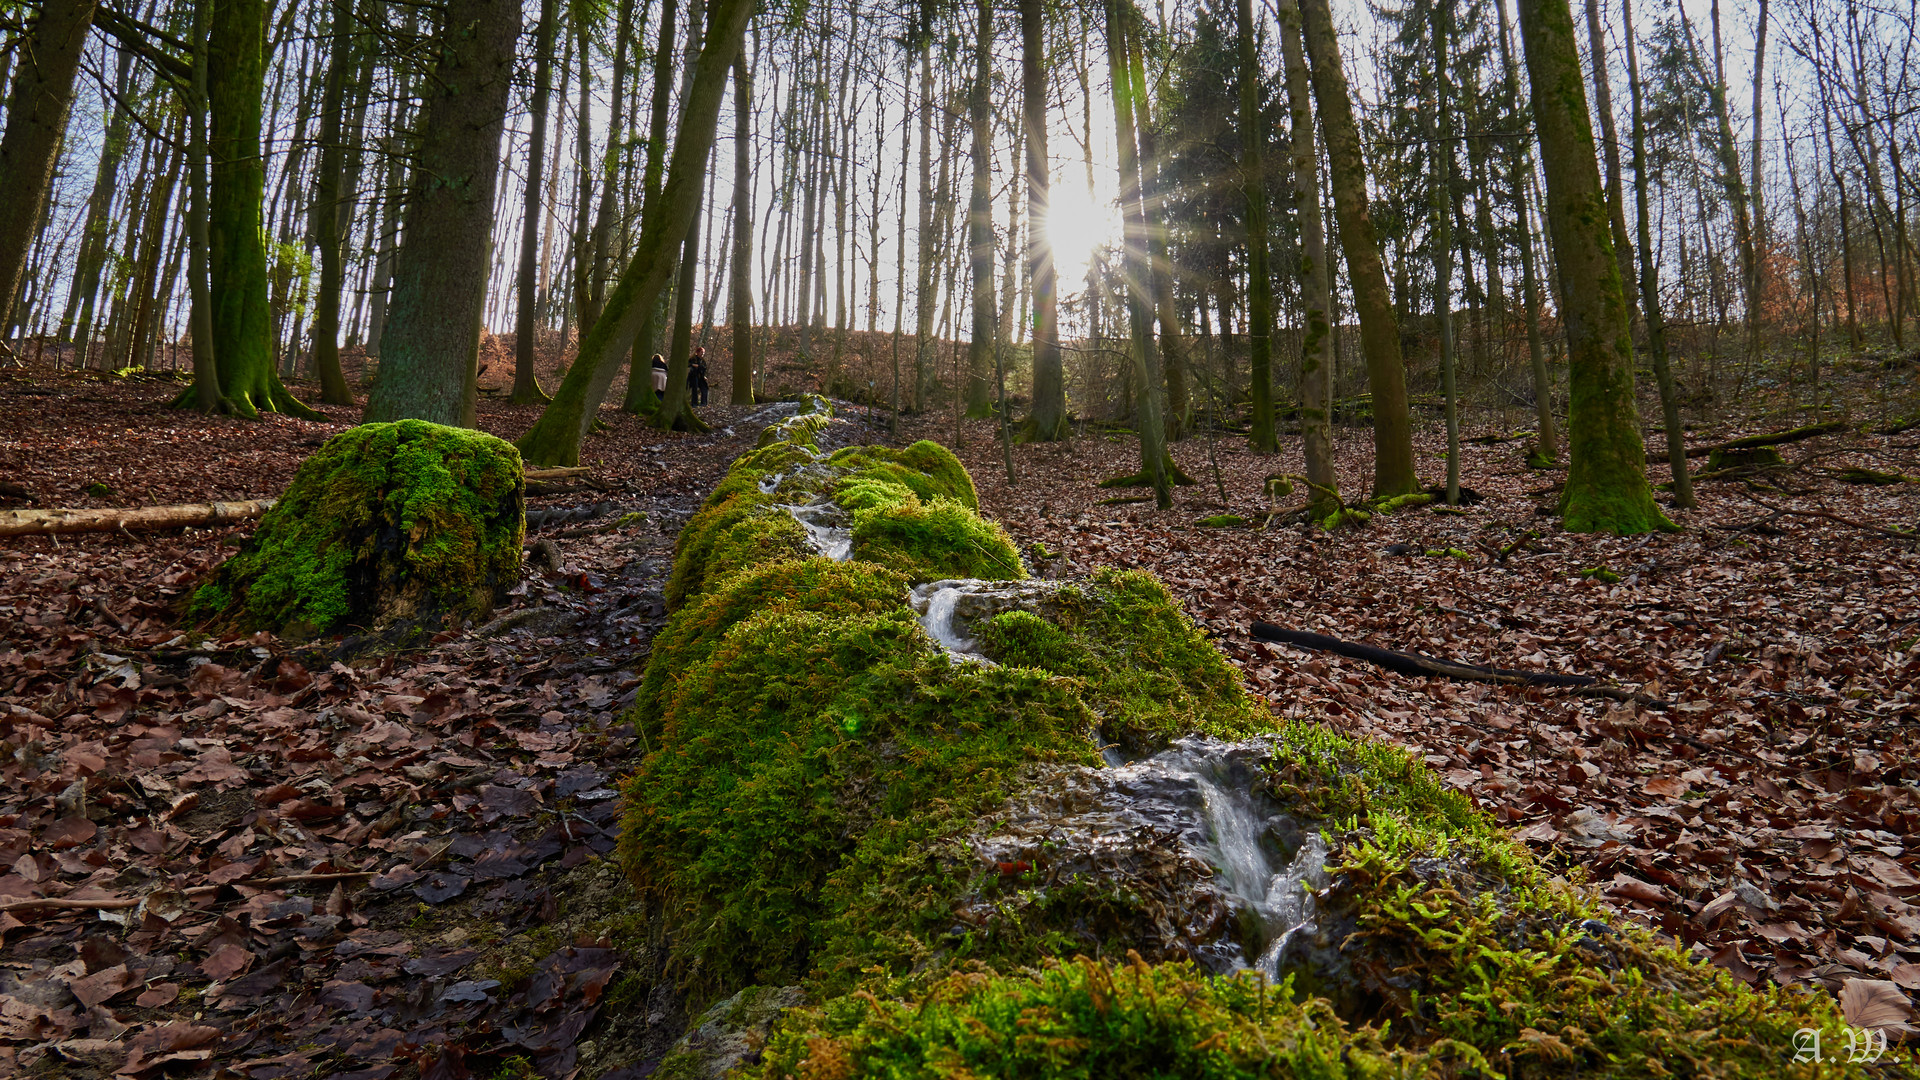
[
  {"x": 407, "y": 521},
  {"x": 824, "y": 785}
]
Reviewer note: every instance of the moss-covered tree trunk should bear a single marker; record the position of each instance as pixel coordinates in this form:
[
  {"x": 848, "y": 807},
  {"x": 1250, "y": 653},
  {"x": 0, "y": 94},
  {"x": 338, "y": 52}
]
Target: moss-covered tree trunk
[
  {"x": 429, "y": 348},
  {"x": 237, "y": 253},
  {"x": 1606, "y": 488},
  {"x": 1139, "y": 266},
  {"x": 1520, "y": 180},
  {"x": 1316, "y": 349},
  {"x": 1393, "y": 472},
  {"x": 1048, "y": 420},
  {"x": 36, "y": 120},
  {"x": 556, "y": 437},
  {"x": 1253, "y": 184}
]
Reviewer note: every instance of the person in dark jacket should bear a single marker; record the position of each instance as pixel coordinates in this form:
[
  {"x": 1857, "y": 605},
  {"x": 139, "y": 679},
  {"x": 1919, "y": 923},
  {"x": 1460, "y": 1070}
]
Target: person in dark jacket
[{"x": 697, "y": 377}]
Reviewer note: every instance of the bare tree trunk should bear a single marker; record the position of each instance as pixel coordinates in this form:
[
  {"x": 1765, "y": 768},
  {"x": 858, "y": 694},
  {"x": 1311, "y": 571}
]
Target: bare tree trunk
[
  {"x": 741, "y": 304},
  {"x": 526, "y": 381},
  {"x": 1393, "y": 470},
  {"x": 1520, "y": 174},
  {"x": 1253, "y": 185},
  {"x": 1047, "y": 422},
  {"x": 1316, "y": 346},
  {"x": 36, "y": 123},
  {"x": 1139, "y": 287},
  {"x": 1650, "y": 281},
  {"x": 981, "y": 349}
]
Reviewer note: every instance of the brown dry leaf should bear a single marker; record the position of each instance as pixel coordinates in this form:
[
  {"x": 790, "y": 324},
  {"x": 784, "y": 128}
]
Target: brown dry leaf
[
  {"x": 226, "y": 962},
  {"x": 1629, "y": 887},
  {"x": 1876, "y": 1004}
]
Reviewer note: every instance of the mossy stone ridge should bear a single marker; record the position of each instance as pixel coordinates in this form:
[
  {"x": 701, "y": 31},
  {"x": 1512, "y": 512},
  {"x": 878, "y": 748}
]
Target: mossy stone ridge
[
  {"x": 398, "y": 521},
  {"x": 816, "y": 765}
]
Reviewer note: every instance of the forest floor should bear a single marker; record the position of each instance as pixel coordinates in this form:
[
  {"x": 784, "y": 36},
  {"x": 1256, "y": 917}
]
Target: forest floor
[{"x": 359, "y": 859}]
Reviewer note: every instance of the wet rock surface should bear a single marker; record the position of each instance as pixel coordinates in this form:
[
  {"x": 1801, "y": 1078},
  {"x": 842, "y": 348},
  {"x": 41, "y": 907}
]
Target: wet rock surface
[{"x": 1220, "y": 872}]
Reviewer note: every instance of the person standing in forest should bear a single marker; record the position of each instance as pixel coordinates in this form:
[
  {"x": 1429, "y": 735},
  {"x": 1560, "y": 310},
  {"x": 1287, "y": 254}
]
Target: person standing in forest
[
  {"x": 659, "y": 368},
  {"x": 697, "y": 376}
]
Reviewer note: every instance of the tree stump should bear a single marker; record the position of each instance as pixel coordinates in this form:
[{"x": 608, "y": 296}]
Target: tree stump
[{"x": 407, "y": 521}]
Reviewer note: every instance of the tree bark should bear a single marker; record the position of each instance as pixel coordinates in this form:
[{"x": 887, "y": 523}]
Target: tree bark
[
  {"x": 741, "y": 305},
  {"x": 1393, "y": 470},
  {"x": 330, "y": 209},
  {"x": 1048, "y": 420},
  {"x": 36, "y": 123},
  {"x": 526, "y": 381},
  {"x": 1610, "y": 147},
  {"x": 980, "y": 349},
  {"x": 1519, "y": 175},
  {"x": 1650, "y": 280},
  {"x": 1606, "y": 489},
  {"x": 433, "y": 329},
  {"x": 1316, "y": 346},
  {"x": 237, "y": 263},
  {"x": 1253, "y": 184},
  {"x": 1139, "y": 285}
]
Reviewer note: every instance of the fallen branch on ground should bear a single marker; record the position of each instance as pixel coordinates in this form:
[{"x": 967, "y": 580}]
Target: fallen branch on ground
[
  {"x": 1825, "y": 515},
  {"x": 1775, "y": 438},
  {"x": 34, "y": 522},
  {"x": 557, "y": 473},
  {"x": 1418, "y": 666}
]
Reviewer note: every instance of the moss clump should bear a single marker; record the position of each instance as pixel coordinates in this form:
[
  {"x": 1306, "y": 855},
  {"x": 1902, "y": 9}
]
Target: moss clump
[
  {"x": 1221, "y": 521},
  {"x": 934, "y": 540},
  {"x": 1086, "y": 1020},
  {"x": 1601, "y": 574},
  {"x": 1401, "y": 502},
  {"x": 408, "y": 520},
  {"x": 926, "y": 468}
]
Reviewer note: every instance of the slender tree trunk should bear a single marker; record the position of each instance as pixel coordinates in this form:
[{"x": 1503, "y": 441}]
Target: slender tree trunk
[
  {"x": 924, "y": 280},
  {"x": 205, "y": 393},
  {"x": 985, "y": 335},
  {"x": 36, "y": 122},
  {"x": 1139, "y": 288},
  {"x": 1756, "y": 284},
  {"x": 675, "y": 410},
  {"x": 1650, "y": 280},
  {"x": 331, "y": 205},
  {"x": 526, "y": 381},
  {"x": 439, "y": 281},
  {"x": 742, "y": 301},
  {"x": 1253, "y": 185},
  {"x": 1316, "y": 346},
  {"x": 1048, "y": 420},
  {"x": 1442, "y": 197},
  {"x": 1520, "y": 174},
  {"x": 83, "y": 293},
  {"x": 1173, "y": 348},
  {"x": 1606, "y": 489},
  {"x": 556, "y": 437},
  {"x": 1393, "y": 469}
]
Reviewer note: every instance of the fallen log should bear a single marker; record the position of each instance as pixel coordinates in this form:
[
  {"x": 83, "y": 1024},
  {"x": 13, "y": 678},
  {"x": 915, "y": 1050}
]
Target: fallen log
[
  {"x": 1776, "y": 438},
  {"x": 126, "y": 519},
  {"x": 558, "y": 473},
  {"x": 1418, "y": 666},
  {"x": 1414, "y": 664}
]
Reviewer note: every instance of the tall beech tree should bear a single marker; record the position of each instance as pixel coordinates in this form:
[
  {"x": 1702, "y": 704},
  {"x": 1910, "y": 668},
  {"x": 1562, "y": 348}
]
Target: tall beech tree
[
  {"x": 431, "y": 345},
  {"x": 526, "y": 384},
  {"x": 741, "y": 305},
  {"x": 36, "y": 120},
  {"x": 1393, "y": 472},
  {"x": 1048, "y": 420},
  {"x": 1253, "y": 184},
  {"x": 986, "y": 331},
  {"x": 1154, "y": 460},
  {"x": 1606, "y": 488},
  {"x": 555, "y": 438},
  {"x": 1316, "y": 302},
  {"x": 236, "y": 236},
  {"x": 332, "y": 208}
]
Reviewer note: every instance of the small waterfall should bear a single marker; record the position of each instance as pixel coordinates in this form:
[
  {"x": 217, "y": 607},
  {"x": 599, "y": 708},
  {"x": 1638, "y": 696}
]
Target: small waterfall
[
  {"x": 936, "y": 603},
  {"x": 1242, "y": 831},
  {"x": 827, "y": 531},
  {"x": 1193, "y": 826}
]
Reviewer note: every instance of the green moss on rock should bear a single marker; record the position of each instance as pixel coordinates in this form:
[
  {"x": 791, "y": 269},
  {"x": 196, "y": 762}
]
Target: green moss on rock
[{"x": 407, "y": 520}]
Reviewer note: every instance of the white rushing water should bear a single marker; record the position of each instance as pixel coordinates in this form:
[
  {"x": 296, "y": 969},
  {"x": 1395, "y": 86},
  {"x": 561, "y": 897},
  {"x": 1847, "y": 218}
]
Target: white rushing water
[
  {"x": 1241, "y": 829},
  {"x": 827, "y": 531},
  {"x": 1193, "y": 826},
  {"x": 936, "y": 603}
]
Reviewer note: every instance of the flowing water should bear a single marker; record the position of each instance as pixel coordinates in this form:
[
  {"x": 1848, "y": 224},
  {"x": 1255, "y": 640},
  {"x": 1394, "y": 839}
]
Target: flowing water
[
  {"x": 828, "y": 531},
  {"x": 949, "y": 608}
]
